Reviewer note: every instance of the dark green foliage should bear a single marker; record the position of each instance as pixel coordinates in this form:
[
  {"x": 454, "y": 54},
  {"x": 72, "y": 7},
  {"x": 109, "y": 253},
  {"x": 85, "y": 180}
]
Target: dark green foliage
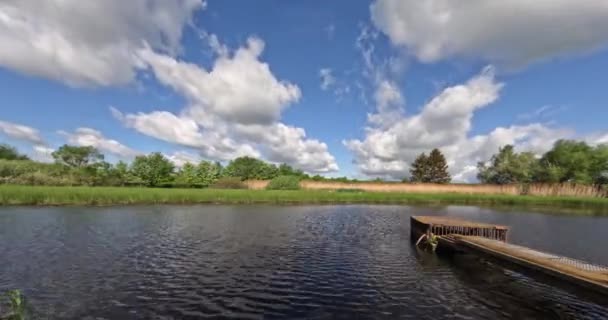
[
  {"x": 438, "y": 168},
  {"x": 10, "y": 153},
  {"x": 229, "y": 183},
  {"x": 574, "y": 161},
  {"x": 508, "y": 167},
  {"x": 430, "y": 169},
  {"x": 419, "y": 170},
  {"x": 78, "y": 157},
  {"x": 248, "y": 168},
  {"x": 152, "y": 169},
  {"x": 284, "y": 183},
  {"x": 567, "y": 162},
  {"x": 199, "y": 176}
]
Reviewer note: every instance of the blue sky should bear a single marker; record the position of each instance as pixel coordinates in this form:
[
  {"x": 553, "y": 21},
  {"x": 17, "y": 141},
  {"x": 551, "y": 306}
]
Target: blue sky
[{"x": 355, "y": 88}]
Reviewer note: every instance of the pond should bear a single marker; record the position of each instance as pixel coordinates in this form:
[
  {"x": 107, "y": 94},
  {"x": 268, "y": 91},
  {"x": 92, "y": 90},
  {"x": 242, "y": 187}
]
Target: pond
[{"x": 308, "y": 262}]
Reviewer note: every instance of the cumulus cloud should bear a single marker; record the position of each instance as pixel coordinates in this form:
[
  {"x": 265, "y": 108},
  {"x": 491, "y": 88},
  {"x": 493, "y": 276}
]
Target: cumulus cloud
[
  {"x": 180, "y": 158},
  {"x": 239, "y": 88},
  {"x": 233, "y": 109},
  {"x": 509, "y": 31},
  {"x": 214, "y": 143},
  {"x": 88, "y": 43},
  {"x": 94, "y": 138},
  {"x": 444, "y": 122},
  {"x": 21, "y": 132}
]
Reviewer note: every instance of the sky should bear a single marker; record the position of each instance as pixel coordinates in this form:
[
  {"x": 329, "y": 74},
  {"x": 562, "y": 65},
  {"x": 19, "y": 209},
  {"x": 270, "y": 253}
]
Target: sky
[{"x": 339, "y": 88}]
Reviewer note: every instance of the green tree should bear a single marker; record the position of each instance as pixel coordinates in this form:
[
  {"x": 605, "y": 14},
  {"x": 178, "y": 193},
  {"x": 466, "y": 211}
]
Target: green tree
[
  {"x": 152, "y": 169},
  {"x": 419, "y": 170},
  {"x": 187, "y": 175},
  {"x": 574, "y": 161},
  {"x": 437, "y": 168},
  {"x": 208, "y": 173},
  {"x": 507, "y": 167},
  {"x": 248, "y": 168},
  {"x": 287, "y": 170},
  {"x": 568, "y": 161},
  {"x": 10, "y": 153},
  {"x": 430, "y": 169},
  {"x": 77, "y": 157}
]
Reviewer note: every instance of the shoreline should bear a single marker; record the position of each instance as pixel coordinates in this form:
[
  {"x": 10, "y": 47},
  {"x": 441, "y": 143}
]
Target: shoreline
[{"x": 14, "y": 195}]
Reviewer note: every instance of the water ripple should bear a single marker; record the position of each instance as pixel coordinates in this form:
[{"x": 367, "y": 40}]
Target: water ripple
[{"x": 326, "y": 262}]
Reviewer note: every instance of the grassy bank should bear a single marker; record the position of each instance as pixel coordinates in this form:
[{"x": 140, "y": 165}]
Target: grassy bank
[{"x": 42, "y": 195}]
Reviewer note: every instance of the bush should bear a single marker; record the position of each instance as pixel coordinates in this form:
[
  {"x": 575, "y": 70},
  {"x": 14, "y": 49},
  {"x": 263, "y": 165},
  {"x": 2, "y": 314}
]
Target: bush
[
  {"x": 229, "y": 183},
  {"x": 284, "y": 183}
]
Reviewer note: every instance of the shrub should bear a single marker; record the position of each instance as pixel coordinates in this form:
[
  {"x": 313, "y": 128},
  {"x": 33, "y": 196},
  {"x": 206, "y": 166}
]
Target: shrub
[
  {"x": 284, "y": 183},
  {"x": 229, "y": 183}
]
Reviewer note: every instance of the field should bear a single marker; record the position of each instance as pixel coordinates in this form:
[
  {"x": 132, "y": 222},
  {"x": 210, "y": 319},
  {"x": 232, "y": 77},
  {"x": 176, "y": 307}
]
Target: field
[{"x": 43, "y": 195}]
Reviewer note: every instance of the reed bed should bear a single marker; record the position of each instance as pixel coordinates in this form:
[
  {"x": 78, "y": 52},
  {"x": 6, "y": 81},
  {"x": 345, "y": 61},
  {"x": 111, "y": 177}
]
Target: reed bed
[
  {"x": 566, "y": 189},
  {"x": 414, "y": 187},
  {"x": 553, "y": 190}
]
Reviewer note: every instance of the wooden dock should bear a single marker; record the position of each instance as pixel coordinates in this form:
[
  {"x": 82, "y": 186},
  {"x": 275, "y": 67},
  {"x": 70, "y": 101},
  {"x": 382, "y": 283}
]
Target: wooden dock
[{"x": 491, "y": 240}]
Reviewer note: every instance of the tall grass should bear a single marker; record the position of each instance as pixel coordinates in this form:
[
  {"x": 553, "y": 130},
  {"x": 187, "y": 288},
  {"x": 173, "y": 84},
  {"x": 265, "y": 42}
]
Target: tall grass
[
  {"x": 556, "y": 190},
  {"x": 44, "y": 195}
]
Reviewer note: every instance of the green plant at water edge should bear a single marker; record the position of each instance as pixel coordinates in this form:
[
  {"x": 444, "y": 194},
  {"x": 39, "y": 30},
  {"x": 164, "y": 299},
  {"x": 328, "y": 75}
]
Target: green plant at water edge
[
  {"x": 16, "y": 306},
  {"x": 284, "y": 183},
  {"x": 432, "y": 240}
]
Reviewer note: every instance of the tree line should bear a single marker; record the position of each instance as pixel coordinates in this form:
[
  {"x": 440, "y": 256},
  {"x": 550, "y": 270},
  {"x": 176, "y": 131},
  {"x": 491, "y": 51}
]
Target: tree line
[
  {"x": 85, "y": 165},
  {"x": 567, "y": 162}
]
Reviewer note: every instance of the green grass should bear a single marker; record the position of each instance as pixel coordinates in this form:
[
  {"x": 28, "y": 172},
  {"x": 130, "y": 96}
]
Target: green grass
[{"x": 43, "y": 195}]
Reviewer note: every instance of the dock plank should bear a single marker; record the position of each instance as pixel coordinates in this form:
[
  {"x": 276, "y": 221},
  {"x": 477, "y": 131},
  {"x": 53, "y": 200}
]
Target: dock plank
[{"x": 567, "y": 268}]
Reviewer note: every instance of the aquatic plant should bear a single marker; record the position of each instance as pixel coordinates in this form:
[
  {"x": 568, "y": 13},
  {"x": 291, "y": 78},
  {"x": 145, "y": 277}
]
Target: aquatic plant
[{"x": 16, "y": 304}]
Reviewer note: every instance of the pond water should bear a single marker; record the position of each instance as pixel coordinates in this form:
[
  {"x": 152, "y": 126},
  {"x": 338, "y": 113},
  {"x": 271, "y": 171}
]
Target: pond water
[{"x": 294, "y": 262}]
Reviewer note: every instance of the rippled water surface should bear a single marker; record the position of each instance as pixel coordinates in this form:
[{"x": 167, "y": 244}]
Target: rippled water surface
[{"x": 288, "y": 262}]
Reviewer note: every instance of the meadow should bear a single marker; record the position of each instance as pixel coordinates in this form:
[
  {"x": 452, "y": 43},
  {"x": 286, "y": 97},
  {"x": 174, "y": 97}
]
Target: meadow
[{"x": 100, "y": 196}]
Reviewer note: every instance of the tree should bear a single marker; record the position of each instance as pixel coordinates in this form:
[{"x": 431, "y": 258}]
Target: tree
[
  {"x": 507, "y": 167},
  {"x": 430, "y": 169},
  {"x": 187, "y": 175},
  {"x": 438, "y": 168},
  {"x": 574, "y": 161},
  {"x": 248, "y": 168},
  {"x": 77, "y": 157},
  {"x": 208, "y": 173},
  {"x": 152, "y": 169},
  {"x": 10, "y": 153},
  {"x": 420, "y": 171},
  {"x": 287, "y": 170}
]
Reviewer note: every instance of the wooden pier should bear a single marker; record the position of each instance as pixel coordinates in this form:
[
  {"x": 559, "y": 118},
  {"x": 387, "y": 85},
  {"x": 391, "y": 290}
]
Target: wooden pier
[{"x": 491, "y": 240}]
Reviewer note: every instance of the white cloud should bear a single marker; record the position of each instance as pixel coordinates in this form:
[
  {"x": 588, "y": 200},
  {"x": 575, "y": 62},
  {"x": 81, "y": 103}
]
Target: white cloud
[
  {"x": 327, "y": 79},
  {"x": 286, "y": 144},
  {"x": 21, "y": 132},
  {"x": 94, "y": 138},
  {"x": 514, "y": 32},
  {"x": 239, "y": 88},
  {"x": 42, "y": 153},
  {"x": 214, "y": 143},
  {"x": 233, "y": 110},
  {"x": 444, "y": 122},
  {"x": 88, "y": 43},
  {"x": 180, "y": 158}
]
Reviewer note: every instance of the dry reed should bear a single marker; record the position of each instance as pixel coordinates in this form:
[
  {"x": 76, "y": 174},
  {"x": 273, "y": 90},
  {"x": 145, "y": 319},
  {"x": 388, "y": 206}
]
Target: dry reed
[{"x": 562, "y": 190}]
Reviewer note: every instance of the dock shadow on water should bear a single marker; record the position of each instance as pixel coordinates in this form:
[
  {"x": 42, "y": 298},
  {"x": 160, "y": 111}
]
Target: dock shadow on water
[{"x": 272, "y": 262}]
